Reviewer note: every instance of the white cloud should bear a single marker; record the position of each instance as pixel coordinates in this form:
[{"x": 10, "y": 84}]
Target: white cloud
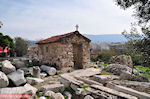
[{"x": 43, "y": 18}]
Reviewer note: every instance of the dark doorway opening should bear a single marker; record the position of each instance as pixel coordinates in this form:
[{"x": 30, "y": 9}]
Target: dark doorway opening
[{"x": 77, "y": 56}]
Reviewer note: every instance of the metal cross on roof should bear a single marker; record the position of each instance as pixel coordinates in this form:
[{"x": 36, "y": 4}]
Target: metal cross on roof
[{"x": 77, "y": 27}]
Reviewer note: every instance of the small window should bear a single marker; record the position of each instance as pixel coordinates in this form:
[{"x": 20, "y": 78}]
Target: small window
[{"x": 46, "y": 49}]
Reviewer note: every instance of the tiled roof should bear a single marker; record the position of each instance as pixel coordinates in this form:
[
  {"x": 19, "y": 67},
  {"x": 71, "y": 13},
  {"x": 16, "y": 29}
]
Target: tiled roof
[{"x": 58, "y": 37}]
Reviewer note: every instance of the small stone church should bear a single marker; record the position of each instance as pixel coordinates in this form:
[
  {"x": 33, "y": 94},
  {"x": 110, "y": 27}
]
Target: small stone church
[{"x": 68, "y": 50}]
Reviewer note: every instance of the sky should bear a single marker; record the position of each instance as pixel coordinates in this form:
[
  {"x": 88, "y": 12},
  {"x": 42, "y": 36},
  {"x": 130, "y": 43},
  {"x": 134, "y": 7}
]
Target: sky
[{"x": 39, "y": 19}]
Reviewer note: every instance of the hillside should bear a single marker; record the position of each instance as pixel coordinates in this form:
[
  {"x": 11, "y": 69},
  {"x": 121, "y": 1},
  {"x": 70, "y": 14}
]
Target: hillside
[{"x": 106, "y": 38}]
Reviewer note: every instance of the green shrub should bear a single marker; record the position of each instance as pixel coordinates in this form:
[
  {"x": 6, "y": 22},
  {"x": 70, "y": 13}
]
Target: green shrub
[
  {"x": 69, "y": 71},
  {"x": 105, "y": 65},
  {"x": 106, "y": 55},
  {"x": 95, "y": 66}
]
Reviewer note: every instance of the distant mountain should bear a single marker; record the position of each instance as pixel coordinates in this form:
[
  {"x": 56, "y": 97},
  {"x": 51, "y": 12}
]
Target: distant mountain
[{"x": 106, "y": 38}]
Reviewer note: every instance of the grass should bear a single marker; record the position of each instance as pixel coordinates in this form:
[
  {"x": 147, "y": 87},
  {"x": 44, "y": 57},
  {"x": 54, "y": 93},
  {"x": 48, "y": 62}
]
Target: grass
[
  {"x": 144, "y": 70},
  {"x": 105, "y": 65},
  {"x": 0, "y": 63},
  {"x": 83, "y": 86},
  {"x": 29, "y": 75},
  {"x": 106, "y": 73}
]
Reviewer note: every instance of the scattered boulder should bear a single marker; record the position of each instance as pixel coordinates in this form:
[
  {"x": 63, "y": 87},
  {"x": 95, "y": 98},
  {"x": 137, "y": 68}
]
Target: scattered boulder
[
  {"x": 104, "y": 78},
  {"x": 68, "y": 94},
  {"x": 17, "y": 77},
  {"x": 7, "y": 67},
  {"x": 33, "y": 81},
  {"x": 117, "y": 68},
  {"x": 125, "y": 75},
  {"x": 88, "y": 97},
  {"x": 43, "y": 75},
  {"x": 49, "y": 93},
  {"x": 49, "y": 70},
  {"x": 140, "y": 78},
  {"x": 53, "y": 87},
  {"x": 27, "y": 70},
  {"x": 3, "y": 80},
  {"x": 42, "y": 97},
  {"x": 26, "y": 89},
  {"x": 57, "y": 96},
  {"x": 19, "y": 64},
  {"x": 139, "y": 86},
  {"x": 36, "y": 71},
  {"x": 122, "y": 59}
]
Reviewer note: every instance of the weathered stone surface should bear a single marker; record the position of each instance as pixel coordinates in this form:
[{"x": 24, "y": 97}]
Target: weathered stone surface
[
  {"x": 104, "y": 78},
  {"x": 7, "y": 67},
  {"x": 42, "y": 97},
  {"x": 49, "y": 93},
  {"x": 88, "y": 97},
  {"x": 140, "y": 78},
  {"x": 33, "y": 81},
  {"x": 130, "y": 91},
  {"x": 57, "y": 96},
  {"x": 36, "y": 71},
  {"x": 27, "y": 70},
  {"x": 125, "y": 75},
  {"x": 17, "y": 77},
  {"x": 61, "y": 53},
  {"x": 42, "y": 75},
  {"x": 19, "y": 64},
  {"x": 122, "y": 59},
  {"x": 68, "y": 94},
  {"x": 26, "y": 89},
  {"x": 139, "y": 86},
  {"x": 53, "y": 87},
  {"x": 49, "y": 70},
  {"x": 117, "y": 68},
  {"x": 113, "y": 92},
  {"x": 3, "y": 80},
  {"x": 88, "y": 81}
]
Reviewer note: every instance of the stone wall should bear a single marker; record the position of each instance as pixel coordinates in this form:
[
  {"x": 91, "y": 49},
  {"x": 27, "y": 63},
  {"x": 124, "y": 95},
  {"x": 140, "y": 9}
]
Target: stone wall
[{"x": 61, "y": 52}]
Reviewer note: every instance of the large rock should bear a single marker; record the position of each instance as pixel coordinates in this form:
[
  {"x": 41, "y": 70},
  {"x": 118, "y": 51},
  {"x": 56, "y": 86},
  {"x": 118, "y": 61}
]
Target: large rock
[
  {"x": 3, "y": 80},
  {"x": 49, "y": 70},
  {"x": 43, "y": 75},
  {"x": 139, "y": 86},
  {"x": 68, "y": 94},
  {"x": 117, "y": 68},
  {"x": 122, "y": 59},
  {"x": 140, "y": 95},
  {"x": 7, "y": 67},
  {"x": 33, "y": 81},
  {"x": 27, "y": 70},
  {"x": 36, "y": 71},
  {"x": 125, "y": 75},
  {"x": 19, "y": 64},
  {"x": 104, "y": 78},
  {"x": 57, "y": 96},
  {"x": 88, "y": 97},
  {"x": 26, "y": 89},
  {"x": 42, "y": 97},
  {"x": 17, "y": 77},
  {"x": 53, "y": 87}
]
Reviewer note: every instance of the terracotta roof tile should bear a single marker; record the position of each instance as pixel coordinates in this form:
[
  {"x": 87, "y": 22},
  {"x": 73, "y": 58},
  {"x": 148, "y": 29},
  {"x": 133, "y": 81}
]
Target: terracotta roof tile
[{"x": 56, "y": 38}]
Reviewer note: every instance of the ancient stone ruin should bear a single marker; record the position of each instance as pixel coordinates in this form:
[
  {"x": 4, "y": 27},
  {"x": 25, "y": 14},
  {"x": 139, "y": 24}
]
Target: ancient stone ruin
[{"x": 70, "y": 50}]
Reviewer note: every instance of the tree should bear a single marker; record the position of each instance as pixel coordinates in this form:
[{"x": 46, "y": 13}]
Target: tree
[
  {"x": 6, "y": 41},
  {"x": 21, "y": 46},
  {"x": 139, "y": 43},
  {"x": 1, "y": 24},
  {"x": 142, "y": 8}
]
